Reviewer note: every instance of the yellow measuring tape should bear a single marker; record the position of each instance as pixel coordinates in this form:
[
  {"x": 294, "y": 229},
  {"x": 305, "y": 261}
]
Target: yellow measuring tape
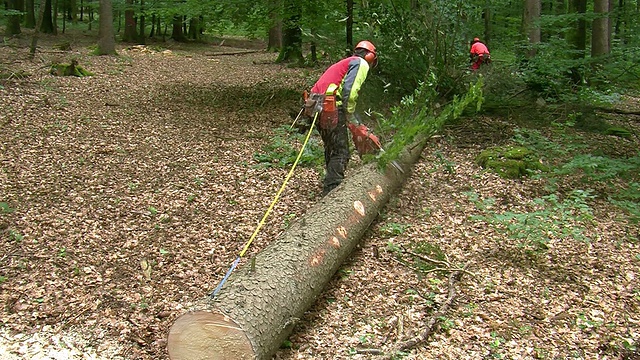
[{"x": 266, "y": 214}]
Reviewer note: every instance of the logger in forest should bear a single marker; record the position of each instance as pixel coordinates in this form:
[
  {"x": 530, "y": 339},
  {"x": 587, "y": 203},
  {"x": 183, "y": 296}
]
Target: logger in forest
[
  {"x": 333, "y": 99},
  {"x": 479, "y": 54}
]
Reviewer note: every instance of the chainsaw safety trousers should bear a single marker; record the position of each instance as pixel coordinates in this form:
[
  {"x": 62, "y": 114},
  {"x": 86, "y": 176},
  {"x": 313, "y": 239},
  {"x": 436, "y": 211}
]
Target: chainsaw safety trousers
[
  {"x": 342, "y": 80},
  {"x": 336, "y": 153}
]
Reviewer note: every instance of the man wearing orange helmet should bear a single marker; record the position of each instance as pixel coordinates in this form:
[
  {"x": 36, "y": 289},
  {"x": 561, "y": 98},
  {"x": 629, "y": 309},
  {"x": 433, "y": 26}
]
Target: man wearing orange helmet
[
  {"x": 479, "y": 54},
  {"x": 333, "y": 99}
]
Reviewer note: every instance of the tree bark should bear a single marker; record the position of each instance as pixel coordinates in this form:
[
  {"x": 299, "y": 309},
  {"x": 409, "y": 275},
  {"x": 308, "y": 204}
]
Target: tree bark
[
  {"x": 260, "y": 304},
  {"x": 46, "y": 25},
  {"x": 600, "y": 29},
  {"x": 487, "y": 22},
  {"x": 36, "y": 32},
  {"x": 141, "y": 35},
  {"x": 130, "y": 34},
  {"x": 30, "y": 17},
  {"x": 291, "y": 33},
  {"x": 177, "y": 34},
  {"x": 349, "y": 26},
  {"x": 106, "y": 35},
  {"x": 531, "y": 27},
  {"x": 13, "y": 21}
]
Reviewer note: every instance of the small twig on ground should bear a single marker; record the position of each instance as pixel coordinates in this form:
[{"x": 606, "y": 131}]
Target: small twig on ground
[
  {"x": 369, "y": 351},
  {"x": 445, "y": 265},
  {"x": 454, "y": 278}
]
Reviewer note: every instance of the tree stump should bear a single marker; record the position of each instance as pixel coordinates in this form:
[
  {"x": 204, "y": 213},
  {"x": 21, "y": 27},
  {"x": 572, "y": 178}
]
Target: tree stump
[{"x": 259, "y": 305}]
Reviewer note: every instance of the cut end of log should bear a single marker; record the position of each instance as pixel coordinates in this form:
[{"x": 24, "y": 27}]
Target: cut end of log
[{"x": 203, "y": 335}]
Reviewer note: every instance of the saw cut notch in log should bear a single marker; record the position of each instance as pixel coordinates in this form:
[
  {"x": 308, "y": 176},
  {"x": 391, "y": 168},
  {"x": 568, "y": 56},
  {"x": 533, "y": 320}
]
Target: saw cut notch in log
[{"x": 258, "y": 306}]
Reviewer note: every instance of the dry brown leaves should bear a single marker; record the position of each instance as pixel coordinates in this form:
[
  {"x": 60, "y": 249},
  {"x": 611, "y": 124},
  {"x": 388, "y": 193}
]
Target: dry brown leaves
[{"x": 135, "y": 189}]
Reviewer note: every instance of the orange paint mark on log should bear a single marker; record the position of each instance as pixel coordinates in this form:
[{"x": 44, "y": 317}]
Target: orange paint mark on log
[
  {"x": 317, "y": 258},
  {"x": 373, "y": 194},
  {"x": 342, "y": 231},
  {"x": 359, "y": 207},
  {"x": 334, "y": 242}
]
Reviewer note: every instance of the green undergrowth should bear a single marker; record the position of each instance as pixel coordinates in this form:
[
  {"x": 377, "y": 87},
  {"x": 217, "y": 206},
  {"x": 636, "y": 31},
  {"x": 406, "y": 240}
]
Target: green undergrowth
[
  {"x": 284, "y": 148},
  {"x": 550, "y": 217},
  {"x": 575, "y": 175}
]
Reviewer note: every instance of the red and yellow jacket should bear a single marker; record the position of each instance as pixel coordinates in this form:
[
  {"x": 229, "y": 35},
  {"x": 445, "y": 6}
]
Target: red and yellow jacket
[{"x": 345, "y": 79}]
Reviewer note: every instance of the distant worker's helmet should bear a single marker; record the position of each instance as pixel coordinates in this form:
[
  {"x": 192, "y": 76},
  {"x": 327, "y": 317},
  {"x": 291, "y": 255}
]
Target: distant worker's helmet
[
  {"x": 476, "y": 39},
  {"x": 371, "y": 56}
]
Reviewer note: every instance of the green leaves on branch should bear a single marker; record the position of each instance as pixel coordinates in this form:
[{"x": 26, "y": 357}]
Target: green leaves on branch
[{"x": 417, "y": 118}]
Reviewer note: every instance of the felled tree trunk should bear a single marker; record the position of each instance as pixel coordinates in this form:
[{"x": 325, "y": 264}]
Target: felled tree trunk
[{"x": 262, "y": 301}]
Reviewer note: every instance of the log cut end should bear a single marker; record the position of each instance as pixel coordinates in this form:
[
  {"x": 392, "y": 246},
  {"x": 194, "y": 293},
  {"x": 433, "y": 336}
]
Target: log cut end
[{"x": 202, "y": 335}]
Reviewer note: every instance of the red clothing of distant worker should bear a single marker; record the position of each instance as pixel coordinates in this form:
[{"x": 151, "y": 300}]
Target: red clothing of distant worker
[{"x": 478, "y": 53}]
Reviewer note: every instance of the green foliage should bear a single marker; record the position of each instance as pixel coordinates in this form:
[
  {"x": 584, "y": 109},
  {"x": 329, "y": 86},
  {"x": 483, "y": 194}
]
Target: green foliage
[
  {"x": 15, "y": 236},
  {"x": 412, "y": 44},
  {"x": 629, "y": 200},
  {"x": 550, "y": 218},
  {"x": 600, "y": 168},
  {"x": 393, "y": 229},
  {"x": 5, "y": 208},
  {"x": 281, "y": 152},
  {"x": 415, "y": 116}
]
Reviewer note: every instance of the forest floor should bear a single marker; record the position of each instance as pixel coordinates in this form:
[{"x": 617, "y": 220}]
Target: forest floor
[{"x": 129, "y": 193}]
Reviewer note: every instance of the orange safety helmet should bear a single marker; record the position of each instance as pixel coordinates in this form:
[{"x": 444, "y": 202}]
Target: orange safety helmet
[
  {"x": 371, "y": 56},
  {"x": 476, "y": 39}
]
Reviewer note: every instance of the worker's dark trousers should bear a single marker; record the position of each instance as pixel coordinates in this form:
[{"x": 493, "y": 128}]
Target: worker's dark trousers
[{"x": 336, "y": 153}]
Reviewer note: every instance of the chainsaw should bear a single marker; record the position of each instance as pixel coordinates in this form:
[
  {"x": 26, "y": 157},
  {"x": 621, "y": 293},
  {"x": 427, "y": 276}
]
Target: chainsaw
[{"x": 368, "y": 143}]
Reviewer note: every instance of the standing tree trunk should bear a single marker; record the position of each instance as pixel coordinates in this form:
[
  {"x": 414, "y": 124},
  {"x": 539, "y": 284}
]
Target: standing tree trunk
[
  {"x": 177, "y": 34},
  {"x": 47, "y": 22},
  {"x": 600, "y": 29},
  {"x": 13, "y": 21},
  {"x": 579, "y": 36},
  {"x": 54, "y": 16},
  {"x": 610, "y": 24},
  {"x": 349, "y": 26},
  {"x": 130, "y": 34},
  {"x": 487, "y": 22},
  {"x": 141, "y": 35},
  {"x": 106, "y": 36},
  {"x": 36, "y": 32},
  {"x": 531, "y": 24},
  {"x": 275, "y": 31},
  {"x": 291, "y": 33},
  {"x": 275, "y": 37},
  {"x": 30, "y": 17}
]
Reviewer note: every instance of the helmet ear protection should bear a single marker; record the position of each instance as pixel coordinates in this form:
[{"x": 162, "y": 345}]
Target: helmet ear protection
[{"x": 370, "y": 57}]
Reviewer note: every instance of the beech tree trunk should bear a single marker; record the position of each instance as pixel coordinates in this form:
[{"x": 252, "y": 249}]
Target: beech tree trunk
[
  {"x": 600, "y": 29},
  {"x": 530, "y": 21},
  {"x": 262, "y": 301},
  {"x": 106, "y": 35}
]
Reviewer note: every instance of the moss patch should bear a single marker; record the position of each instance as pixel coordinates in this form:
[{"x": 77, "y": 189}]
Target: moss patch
[
  {"x": 510, "y": 162},
  {"x": 72, "y": 69}
]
